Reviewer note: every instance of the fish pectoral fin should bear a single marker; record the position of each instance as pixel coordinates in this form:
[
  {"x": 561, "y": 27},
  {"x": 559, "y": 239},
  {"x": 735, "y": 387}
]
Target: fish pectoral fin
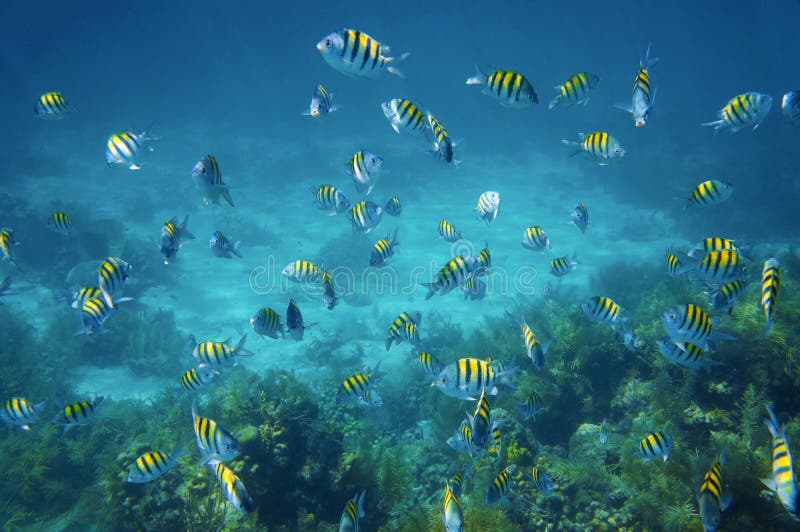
[
  {"x": 628, "y": 108},
  {"x": 769, "y": 483},
  {"x": 135, "y": 167}
]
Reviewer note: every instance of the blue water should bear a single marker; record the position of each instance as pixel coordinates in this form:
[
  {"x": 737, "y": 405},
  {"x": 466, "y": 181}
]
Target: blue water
[{"x": 233, "y": 81}]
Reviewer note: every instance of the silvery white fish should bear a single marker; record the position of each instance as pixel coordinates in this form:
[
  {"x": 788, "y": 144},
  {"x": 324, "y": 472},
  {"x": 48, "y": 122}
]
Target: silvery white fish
[
  {"x": 466, "y": 377},
  {"x": 331, "y": 199},
  {"x": 152, "y": 465},
  {"x": 171, "y": 235},
  {"x": 790, "y": 103},
  {"x": 207, "y": 177},
  {"x": 685, "y": 354},
  {"x": 365, "y": 216},
  {"x": 356, "y": 54},
  {"x": 643, "y": 95},
  {"x": 353, "y": 511},
  {"x": 365, "y": 167},
  {"x": 408, "y": 116},
  {"x": 124, "y": 149},
  {"x": 221, "y": 246},
  {"x": 580, "y": 217},
  {"x": 689, "y": 323},
  {"x": 321, "y": 103},
  {"x": 742, "y": 111},
  {"x": 488, "y": 206}
]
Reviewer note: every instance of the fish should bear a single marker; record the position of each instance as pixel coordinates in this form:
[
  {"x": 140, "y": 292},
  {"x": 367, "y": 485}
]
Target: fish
[
  {"x": 294, "y": 321},
  {"x": 742, "y": 111},
  {"x": 783, "y": 481},
  {"x": 534, "y": 346},
  {"x": 481, "y": 423},
  {"x": 406, "y": 115},
  {"x": 500, "y": 486},
  {"x": 580, "y": 217},
  {"x": 370, "y": 398},
  {"x": 221, "y": 246},
  {"x": 655, "y": 445},
  {"x": 365, "y": 216},
  {"x": 790, "y": 104},
  {"x": 452, "y": 274},
  {"x": 267, "y": 322},
  {"x": 685, "y": 354},
  {"x": 488, "y": 206},
  {"x": 153, "y": 464},
  {"x": 171, "y": 236},
  {"x": 211, "y": 353},
  {"x": 495, "y": 452},
  {"x": 383, "y": 250},
  {"x": 715, "y": 243},
  {"x": 7, "y": 243},
  {"x": 329, "y": 298},
  {"x": 709, "y": 192},
  {"x": 443, "y": 145},
  {"x": 599, "y": 144},
  {"x": 207, "y": 177},
  {"x": 724, "y": 297},
  {"x": 321, "y": 103},
  {"x": 689, "y": 323},
  {"x": 331, "y": 199},
  {"x": 432, "y": 366},
  {"x": 531, "y": 408},
  {"x": 124, "y": 149},
  {"x": 302, "y": 271},
  {"x": 399, "y": 330},
  {"x": 19, "y": 411},
  {"x": 232, "y": 486},
  {"x": 214, "y": 442},
  {"x": 605, "y": 310},
  {"x": 354, "y": 387},
  {"x": 353, "y": 511},
  {"x": 60, "y": 223},
  {"x": 602, "y": 436},
  {"x": 561, "y": 266},
  {"x": 393, "y": 207},
  {"x": 717, "y": 267},
  {"x": 113, "y": 274},
  {"x": 575, "y": 90},
  {"x": 535, "y": 239},
  {"x": 673, "y": 264},
  {"x": 52, "y": 106},
  {"x": 452, "y": 514},
  {"x": 77, "y": 413},
  {"x": 711, "y": 498},
  {"x": 511, "y": 88},
  {"x": 474, "y": 287},
  {"x": 197, "y": 378},
  {"x": 365, "y": 167},
  {"x": 461, "y": 440},
  {"x": 541, "y": 481},
  {"x": 466, "y": 377},
  {"x": 448, "y": 231},
  {"x": 356, "y": 54},
  {"x": 770, "y": 287},
  {"x": 94, "y": 313},
  {"x": 456, "y": 483},
  {"x": 481, "y": 264},
  {"x": 643, "y": 95},
  {"x": 5, "y": 287},
  {"x": 632, "y": 342}
]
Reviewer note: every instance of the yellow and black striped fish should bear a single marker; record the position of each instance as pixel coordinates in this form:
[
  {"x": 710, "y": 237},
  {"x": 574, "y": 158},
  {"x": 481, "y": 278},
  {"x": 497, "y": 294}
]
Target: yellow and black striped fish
[
  {"x": 442, "y": 143},
  {"x": 448, "y": 231},
  {"x": 355, "y": 386},
  {"x": 321, "y": 103},
  {"x": 536, "y": 239},
  {"x": 211, "y": 353},
  {"x": 452, "y": 514},
  {"x": 710, "y": 192},
  {"x": 710, "y": 497},
  {"x": 94, "y": 313},
  {"x": 365, "y": 167},
  {"x": 399, "y": 330},
  {"x": 690, "y": 323},
  {"x": 406, "y": 115},
  {"x": 125, "y": 148},
  {"x": 232, "y": 486},
  {"x": 302, "y": 271},
  {"x": 685, "y": 354},
  {"x": 383, "y": 250},
  {"x": 84, "y": 294},
  {"x": 561, "y": 266},
  {"x": 152, "y": 465},
  {"x": 214, "y": 441},
  {"x": 541, "y": 481},
  {"x": 744, "y": 110},
  {"x": 531, "y": 408},
  {"x": 364, "y": 216},
  {"x": 717, "y": 267},
  {"x": 267, "y": 322},
  {"x": 599, "y": 144},
  {"x": 77, "y": 413},
  {"x": 20, "y": 411},
  {"x": 783, "y": 480},
  {"x": 467, "y": 377},
  {"x": 329, "y": 298},
  {"x": 353, "y": 511},
  {"x": 331, "y": 199},
  {"x": 452, "y": 274},
  {"x": 483, "y": 262},
  {"x": 52, "y": 106},
  {"x": 7, "y": 243},
  {"x": 354, "y": 53},
  {"x": 488, "y": 206},
  {"x": 112, "y": 275},
  {"x": 575, "y": 90},
  {"x": 655, "y": 445},
  {"x": 456, "y": 483},
  {"x": 673, "y": 265},
  {"x": 725, "y": 297},
  {"x": 481, "y": 423},
  {"x": 770, "y": 286},
  {"x": 207, "y": 177},
  {"x": 533, "y": 345},
  {"x": 171, "y": 236},
  {"x": 196, "y": 378},
  {"x": 60, "y": 223},
  {"x": 500, "y": 485},
  {"x": 393, "y": 207},
  {"x": 430, "y": 364},
  {"x": 580, "y": 217},
  {"x": 511, "y": 88},
  {"x": 605, "y": 310},
  {"x": 714, "y": 243},
  {"x": 643, "y": 94}
]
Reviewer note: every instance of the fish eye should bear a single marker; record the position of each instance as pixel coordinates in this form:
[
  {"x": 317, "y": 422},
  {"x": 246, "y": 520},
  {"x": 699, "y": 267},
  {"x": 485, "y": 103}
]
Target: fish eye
[
  {"x": 672, "y": 316},
  {"x": 617, "y": 150},
  {"x": 373, "y": 161},
  {"x": 228, "y": 447},
  {"x": 328, "y": 43}
]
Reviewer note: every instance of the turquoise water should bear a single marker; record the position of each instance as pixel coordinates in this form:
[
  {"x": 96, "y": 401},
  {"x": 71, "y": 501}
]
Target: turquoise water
[{"x": 232, "y": 81}]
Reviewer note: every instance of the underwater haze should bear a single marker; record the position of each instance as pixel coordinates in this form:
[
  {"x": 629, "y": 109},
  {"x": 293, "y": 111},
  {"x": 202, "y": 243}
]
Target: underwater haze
[{"x": 260, "y": 259}]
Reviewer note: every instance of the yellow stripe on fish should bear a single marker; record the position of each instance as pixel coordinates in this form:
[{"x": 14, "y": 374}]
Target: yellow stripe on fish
[{"x": 770, "y": 287}]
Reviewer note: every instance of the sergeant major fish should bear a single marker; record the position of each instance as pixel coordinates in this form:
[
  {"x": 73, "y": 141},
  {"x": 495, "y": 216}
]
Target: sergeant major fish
[
  {"x": 232, "y": 486},
  {"x": 393, "y": 206},
  {"x": 329, "y": 297},
  {"x": 19, "y": 411},
  {"x": 711, "y": 498},
  {"x": 474, "y": 287},
  {"x": 211, "y": 353},
  {"x": 267, "y": 322},
  {"x": 580, "y": 217},
  {"x": 448, "y": 231},
  {"x": 605, "y": 310},
  {"x": 575, "y": 90},
  {"x": 655, "y": 445},
  {"x": 7, "y": 243},
  {"x": 354, "y": 387},
  {"x": 365, "y": 167},
  {"x": 534, "y": 238},
  {"x": 710, "y": 192},
  {"x": 113, "y": 274},
  {"x": 770, "y": 286},
  {"x": 152, "y": 465},
  {"x": 52, "y": 106},
  {"x": 531, "y": 408},
  {"x": 302, "y": 271},
  {"x": 541, "y": 481},
  {"x": 715, "y": 243},
  {"x": 744, "y": 110},
  {"x": 94, "y": 313},
  {"x": 406, "y": 115},
  {"x": 561, "y": 266},
  {"x": 443, "y": 145},
  {"x": 365, "y": 216},
  {"x": 533, "y": 344},
  {"x": 783, "y": 481},
  {"x": 685, "y": 354},
  {"x": 717, "y": 267},
  {"x": 643, "y": 95},
  {"x": 331, "y": 199},
  {"x": 430, "y": 364},
  {"x": 214, "y": 442},
  {"x": 383, "y": 250},
  {"x": 60, "y": 223},
  {"x": 724, "y": 297},
  {"x": 689, "y": 323},
  {"x": 481, "y": 423},
  {"x": 511, "y": 88},
  {"x": 197, "y": 378},
  {"x": 466, "y": 377},
  {"x": 321, "y": 103},
  {"x": 599, "y": 144},
  {"x": 171, "y": 235},
  {"x": 399, "y": 330},
  {"x": 221, "y": 246},
  {"x": 356, "y": 54},
  {"x": 77, "y": 413},
  {"x": 500, "y": 486},
  {"x": 452, "y": 274},
  {"x": 207, "y": 177},
  {"x": 125, "y": 148},
  {"x": 488, "y": 206},
  {"x": 452, "y": 515},
  {"x": 790, "y": 104},
  {"x": 353, "y": 511}
]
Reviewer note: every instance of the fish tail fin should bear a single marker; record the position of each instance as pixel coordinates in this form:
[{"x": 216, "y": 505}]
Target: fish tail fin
[
  {"x": 773, "y": 425},
  {"x": 393, "y": 69},
  {"x": 766, "y": 328},
  {"x": 235, "y": 249},
  {"x": 478, "y": 79},
  {"x": 240, "y": 350},
  {"x": 360, "y": 503},
  {"x": 718, "y": 125},
  {"x": 555, "y": 101},
  {"x": 147, "y": 134},
  {"x": 648, "y": 61},
  {"x": 575, "y": 147},
  {"x": 226, "y": 193},
  {"x": 185, "y": 232}
]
